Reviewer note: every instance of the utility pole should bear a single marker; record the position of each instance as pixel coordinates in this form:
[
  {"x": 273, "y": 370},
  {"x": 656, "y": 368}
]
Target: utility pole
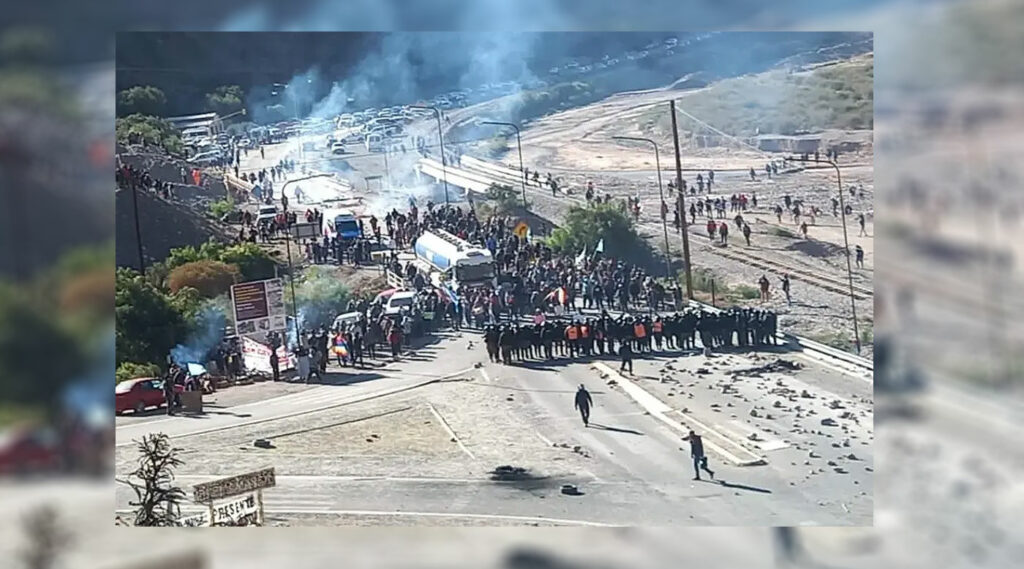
[
  {"x": 519, "y": 145},
  {"x": 682, "y": 204},
  {"x": 661, "y": 193},
  {"x": 291, "y": 267}
]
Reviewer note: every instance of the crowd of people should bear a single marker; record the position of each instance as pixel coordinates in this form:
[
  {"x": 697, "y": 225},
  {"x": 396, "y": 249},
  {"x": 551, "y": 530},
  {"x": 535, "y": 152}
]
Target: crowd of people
[
  {"x": 129, "y": 177},
  {"x": 626, "y": 335}
]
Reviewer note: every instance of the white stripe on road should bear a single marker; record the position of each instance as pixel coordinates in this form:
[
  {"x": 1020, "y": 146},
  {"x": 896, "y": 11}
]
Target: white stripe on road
[
  {"x": 496, "y": 517},
  {"x": 659, "y": 410},
  {"x": 450, "y": 431},
  {"x": 327, "y": 405}
]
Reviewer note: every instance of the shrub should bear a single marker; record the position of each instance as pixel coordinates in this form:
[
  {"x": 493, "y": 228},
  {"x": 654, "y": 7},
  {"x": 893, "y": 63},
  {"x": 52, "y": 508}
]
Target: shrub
[
  {"x": 147, "y": 324},
  {"x": 586, "y": 227},
  {"x": 210, "y": 278},
  {"x": 132, "y": 370},
  {"x": 222, "y": 207},
  {"x": 137, "y": 128}
]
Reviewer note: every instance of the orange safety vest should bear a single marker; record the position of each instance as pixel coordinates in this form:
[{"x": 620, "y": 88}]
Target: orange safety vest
[
  {"x": 638, "y": 330},
  {"x": 656, "y": 327},
  {"x": 571, "y": 332}
]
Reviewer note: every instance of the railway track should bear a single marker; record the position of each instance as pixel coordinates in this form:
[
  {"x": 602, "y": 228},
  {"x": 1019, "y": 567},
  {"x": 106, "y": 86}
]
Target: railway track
[
  {"x": 821, "y": 280},
  {"x": 501, "y": 174}
]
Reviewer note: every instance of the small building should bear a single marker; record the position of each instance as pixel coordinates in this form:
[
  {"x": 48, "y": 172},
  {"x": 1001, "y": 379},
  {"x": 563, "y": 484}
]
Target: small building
[
  {"x": 782, "y": 143},
  {"x": 197, "y": 126}
]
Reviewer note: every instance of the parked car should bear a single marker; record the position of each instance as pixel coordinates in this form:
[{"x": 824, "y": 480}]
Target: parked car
[
  {"x": 25, "y": 450},
  {"x": 140, "y": 394},
  {"x": 398, "y": 301}
]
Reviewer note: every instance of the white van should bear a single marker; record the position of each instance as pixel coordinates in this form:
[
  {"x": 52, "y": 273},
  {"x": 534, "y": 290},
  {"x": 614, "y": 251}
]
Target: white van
[
  {"x": 398, "y": 301},
  {"x": 345, "y": 320}
]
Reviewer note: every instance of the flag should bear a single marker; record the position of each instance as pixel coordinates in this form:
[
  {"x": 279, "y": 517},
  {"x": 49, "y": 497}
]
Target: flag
[
  {"x": 600, "y": 247},
  {"x": 451, "y": 294},
  {"x": 340, "y": 346},
  {"x": 581, "y": 257},
  {"x": 559, "y": 294}
]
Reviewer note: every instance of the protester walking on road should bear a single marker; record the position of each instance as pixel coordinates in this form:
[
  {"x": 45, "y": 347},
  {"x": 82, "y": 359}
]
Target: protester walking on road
[
  {"x": 860, "y": 220},
  {"x": 583, "y": 403},
  {"x": 785, "y": 289},
  {"x": 700, "y": 461},
  {"x": 860, "y": 257},
  {"x": 746, "y": 233},
  {"x": 764, "y": 284},
  {"x": 626, "y": 353}
]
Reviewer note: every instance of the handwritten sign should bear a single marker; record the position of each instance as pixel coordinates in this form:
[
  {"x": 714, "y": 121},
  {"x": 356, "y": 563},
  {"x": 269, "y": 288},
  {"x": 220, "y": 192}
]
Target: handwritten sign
[
  {"x": 259, "y": 307},
  {"x": 232, "y": 511},
  {"x": 233, "y": 486}
]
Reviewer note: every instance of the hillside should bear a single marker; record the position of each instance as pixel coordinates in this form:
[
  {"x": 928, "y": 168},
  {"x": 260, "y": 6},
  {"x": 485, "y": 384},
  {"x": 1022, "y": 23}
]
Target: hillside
[
  {"x": 834, "y": 96},
  {"x": 163, "y": 225}
]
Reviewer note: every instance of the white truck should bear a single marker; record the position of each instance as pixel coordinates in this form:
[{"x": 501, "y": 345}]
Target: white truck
[{"x": 453, "y": 262}]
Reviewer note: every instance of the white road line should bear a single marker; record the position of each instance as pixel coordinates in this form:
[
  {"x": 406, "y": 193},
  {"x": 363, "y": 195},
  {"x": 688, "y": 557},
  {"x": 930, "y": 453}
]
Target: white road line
[
  {"x": 659, "y": 410},
  {"x": 526, "y": 519},
  {"x": 357, "y": 399},
  {"x": 484, "y": 373},
  {"x": 530, "y": 519},
  {"x": 330, "y": 478},
  {"x": 451, "y": 432},
  {"x": 852, "y": 372},
  {"x": 544, "y": 439}
]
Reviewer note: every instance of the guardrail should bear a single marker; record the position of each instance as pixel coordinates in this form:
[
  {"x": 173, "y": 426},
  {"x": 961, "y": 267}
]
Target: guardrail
[{"x": 395, "y": 280}]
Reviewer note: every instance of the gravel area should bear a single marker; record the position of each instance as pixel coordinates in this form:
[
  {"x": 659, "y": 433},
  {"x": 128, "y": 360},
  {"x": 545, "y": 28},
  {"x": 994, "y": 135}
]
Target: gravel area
[{"x": 776, "y": 405}]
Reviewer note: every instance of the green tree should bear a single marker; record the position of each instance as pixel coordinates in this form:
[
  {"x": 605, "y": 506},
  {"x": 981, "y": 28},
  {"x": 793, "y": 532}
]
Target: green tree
[
  {"x": 505, "y": 198},
  {"x": 188, "y": 302},
  {"x": 138, "y": 128},
  {"x": 146, "y": 322},
  {"x": 146, "y": 100},
  {"x": 37, "y": 356},
  {"x": 585, "y": 227},
  {"x": 132, "y": 370},
  {"x": 253, "y": 262},
  {"x": 225, "y": 100},
  {"x": 320, "y": 297},
  {"x": 210, "y": 278}
]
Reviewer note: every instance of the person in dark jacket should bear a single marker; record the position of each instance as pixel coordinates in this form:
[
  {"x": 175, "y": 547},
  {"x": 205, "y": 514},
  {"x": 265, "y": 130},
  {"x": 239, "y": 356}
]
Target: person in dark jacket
[
  {"x": 583, "y": 403},
  {"x": 626, "y": 353},
  {"x": 700, "y": 461},
  {"x": 169, "y": 394}
]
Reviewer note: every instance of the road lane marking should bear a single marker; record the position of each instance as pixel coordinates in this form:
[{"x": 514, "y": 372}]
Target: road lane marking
[
  {"x": 496, "y": 517},
  {"x": 659, "y": 410},
  {"x": 544, "y": 439},
  {"x": 357, "y": 399},
  {"x": 451, "y": 432}
]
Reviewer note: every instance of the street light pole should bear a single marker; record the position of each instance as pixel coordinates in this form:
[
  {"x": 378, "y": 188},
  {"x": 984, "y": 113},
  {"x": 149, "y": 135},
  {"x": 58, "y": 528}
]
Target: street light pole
[
  {"x": 682, "y": 204},
  {"x": 295, "y": 112},
  {"x": 519, "y": 145},
  {"x": 440, "y": 138},
  {"x": 661, "y": 193},
  {"x": 291, "y": 268},
  {"x": 846, "y": 243}
]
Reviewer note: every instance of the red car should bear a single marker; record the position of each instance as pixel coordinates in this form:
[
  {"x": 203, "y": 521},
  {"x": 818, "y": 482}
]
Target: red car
[
  {"x": 140, "y": 394},
  {"x": 26, "y": 450}
]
